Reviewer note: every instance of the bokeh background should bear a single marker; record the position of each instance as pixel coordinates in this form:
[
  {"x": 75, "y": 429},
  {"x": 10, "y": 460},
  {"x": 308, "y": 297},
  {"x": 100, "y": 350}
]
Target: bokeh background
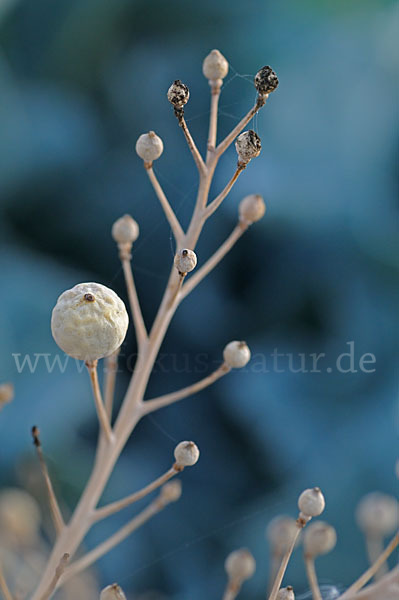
[{"x": 80, "y": 80}]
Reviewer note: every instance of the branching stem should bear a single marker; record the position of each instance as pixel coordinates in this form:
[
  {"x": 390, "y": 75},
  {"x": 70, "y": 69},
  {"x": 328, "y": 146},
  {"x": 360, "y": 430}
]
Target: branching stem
[
  {"x": 98, "y": 401},
  {"x": 170, "y": 215}
]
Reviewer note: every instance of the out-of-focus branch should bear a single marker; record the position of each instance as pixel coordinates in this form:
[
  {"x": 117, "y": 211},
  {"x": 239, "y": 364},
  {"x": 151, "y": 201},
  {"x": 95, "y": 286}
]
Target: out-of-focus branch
[{"x": 261, "y": 100}]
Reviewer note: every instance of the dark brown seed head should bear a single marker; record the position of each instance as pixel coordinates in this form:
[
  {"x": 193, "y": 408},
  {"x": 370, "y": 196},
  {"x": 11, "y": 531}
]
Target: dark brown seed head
[
  {"x": 266, "y": 80},
  {"x": 178, "y": 94}
]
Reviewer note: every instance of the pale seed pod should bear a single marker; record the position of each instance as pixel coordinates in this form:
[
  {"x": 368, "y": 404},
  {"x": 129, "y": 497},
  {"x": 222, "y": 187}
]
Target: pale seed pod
[
  {"x": 266, "y": 81},
  {"x": 251, "y": 209},
  {"x": 171, "y": 491},
  {"x": 319, "y": 538},
  {"x": 240, "y": 565},
  {"x": 186, "y": 454},
  {"x": 215, "y": 66},
  {"x": 89, "y": 321},
  {"x": 280, "y": 532},
  {"x": 149, "y": 147},
  {"x": 125, "y": 230},
  {"x": 19, "y": 516},
  {"x": 178, "y": 94},
  {"x": 248, "y": 146},
  {"x": 236, "y": 354},
  {"x": 112, "y": 592},
  {"x": 311, "y": 502},
  {"x": 377, "y": 514},
  {"x": 286, "y": 593},
  {"x": 6, "y": 393},
  {"x": 185, "y": 261}
]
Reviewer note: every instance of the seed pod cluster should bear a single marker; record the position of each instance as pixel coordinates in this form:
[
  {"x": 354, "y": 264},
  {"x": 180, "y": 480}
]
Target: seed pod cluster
[
  {"x": 265, "y": 81},
  {"x": 248, "y": 146}
]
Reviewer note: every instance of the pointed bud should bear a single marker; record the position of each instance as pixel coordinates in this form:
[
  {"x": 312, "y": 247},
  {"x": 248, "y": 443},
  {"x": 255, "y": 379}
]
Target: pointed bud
[
  {"x": 311, "y": 502},
  {"x": 125, "y": 230},
  {"x": 186, "y": 454},
  {"x": 215, "y": 66}
]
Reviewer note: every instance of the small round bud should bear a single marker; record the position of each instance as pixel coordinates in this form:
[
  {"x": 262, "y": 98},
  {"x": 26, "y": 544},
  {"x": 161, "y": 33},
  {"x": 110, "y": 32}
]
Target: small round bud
[
  {"x": 215, "y": 66},
  {"x": 248, "y": 146},
  {"x": 186, "y": 454},
  {"x": 311, "y": 502},
  {"x": 286, "y": 593},
  {"x": 89, "y": 321},
  {"x": 19, "y": 516},
  {"x": 266, "y": 80},
  {"x": 6, "y": 393},
  {"x": 185, "y": 261},
  {"x": 377, "y": 514},
  {"x": 149, "y": 146},
  {"x": 236, "y": 354},
  {"x": 171, "y": 491},
  {"x": 280, "y": 532},
  {"x": 178, "y": 94},
  {"x": 240, "y": 565},
  {"x": 319, "y": 538},
  {"x": 125, "y": 230},
  {"x": 251, "y": 208},
  {"x": 112, "y": 592}
]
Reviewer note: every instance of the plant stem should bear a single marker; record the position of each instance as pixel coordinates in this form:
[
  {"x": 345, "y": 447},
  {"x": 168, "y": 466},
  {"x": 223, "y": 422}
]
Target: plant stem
[
  {"x": 110, "y": 378},
  {"x": 284, "y": 563},
  {"x": 58, "y": 572},
  {"x": 193, "y": 148},
  {"x": 210, "y": 209},
  {"x": 141, "y": 332},
  {"x": 4, "y": 589},
  {"x": 101, "y": 412},
  {"x": 170, "y": 215},
  {"x": 312, "y": 577},
  {"x": 213, "y": 119}
]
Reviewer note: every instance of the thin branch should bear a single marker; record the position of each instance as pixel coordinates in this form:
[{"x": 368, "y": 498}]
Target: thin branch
[
  {"x": 58, "y": 572},
  {"x": 193, "y": 148},
  {"x": 170, "y": 215},
  {"x": 374, "y": 546},
  {"x": 212, "y": 206},
  {"x": 139, "y": 326},
  {"x": 110, "y": 378},
  {"x": 4, "y": 589},
  {"x": 150, "y": 406},
  {"x": 113, "y": 507},
  {"x": 284, "y": 563},
  {"x": 213, "y": 118},
  {"x": 54, "y": 507},
  {"x": 261, "y": 100},
  {"x": 386, "y": 588},
  {"x": 214, "y": 260},
  {"x": 367, "y": 575},
  {"x": 101, "y": 412},
  {"x": 232, "y": 590},
  {"x": 312, "y": 577},
  {"x": 88, "y": 559}
]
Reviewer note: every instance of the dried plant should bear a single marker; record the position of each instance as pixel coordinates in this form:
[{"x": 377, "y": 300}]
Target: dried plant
[{"x": 89, "y": 322}]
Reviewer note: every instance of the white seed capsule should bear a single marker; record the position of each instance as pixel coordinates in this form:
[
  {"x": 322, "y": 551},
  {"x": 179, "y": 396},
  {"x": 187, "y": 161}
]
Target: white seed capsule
[
  {"x": 240, "y": 565},
  {"x": 236, "y": 354},
  {"x": 186, "y": 454},
  {"x": 319, "y": 538},
  {"x": 251, "y": 208},
  {"x": 248, "y": 146},
  {"x": 311, "y": 502},
  {"x": 149, "y": 146},
  {"x": 89, "y": 321},
  {"x": 215, "y": 66},
  {"x": 178, "y": 94},
  {"x": 185, "y": 261},
  {"x": 377, "y": 514},
  {"x": 6, "y": 393},
  {"x": 280, "y": 532},
  {"x": 286, "y": 593},
  {"x": 171, "y": 491},
  {"x": 112, "y": 592},
  {"x": 125, "y": 230},
  {"x": 19, "y": 516}
]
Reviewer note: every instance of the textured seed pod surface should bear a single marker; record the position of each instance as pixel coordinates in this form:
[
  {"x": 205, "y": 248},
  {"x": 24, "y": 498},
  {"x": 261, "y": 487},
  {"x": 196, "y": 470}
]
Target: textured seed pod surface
[
  {"x": 248, "y": 146},
  {"x": 311, "y": 502},
  {"x": 149, "y": 146},
  {"x": 240, "y": 565},
  {"x": 236, "y": 354},
  {"x": 319, "y": 538},
  {"x": 178, "y": 94},
  {"x": 286, "y": 593},
  {"x": 125, "y": 230},
  {"x": 266, "y": 80},
  {"x": 186, "y": 454},
  {"x": 89, "y": 321},
  {"x": 112, "y": 592},
  {"x": 185, "y": 260},
  {"x": 215, "y": 66}
]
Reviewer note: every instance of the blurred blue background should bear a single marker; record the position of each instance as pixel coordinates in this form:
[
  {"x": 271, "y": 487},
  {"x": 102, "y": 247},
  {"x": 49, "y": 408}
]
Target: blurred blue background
[{"x": 80, "y": 80}]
